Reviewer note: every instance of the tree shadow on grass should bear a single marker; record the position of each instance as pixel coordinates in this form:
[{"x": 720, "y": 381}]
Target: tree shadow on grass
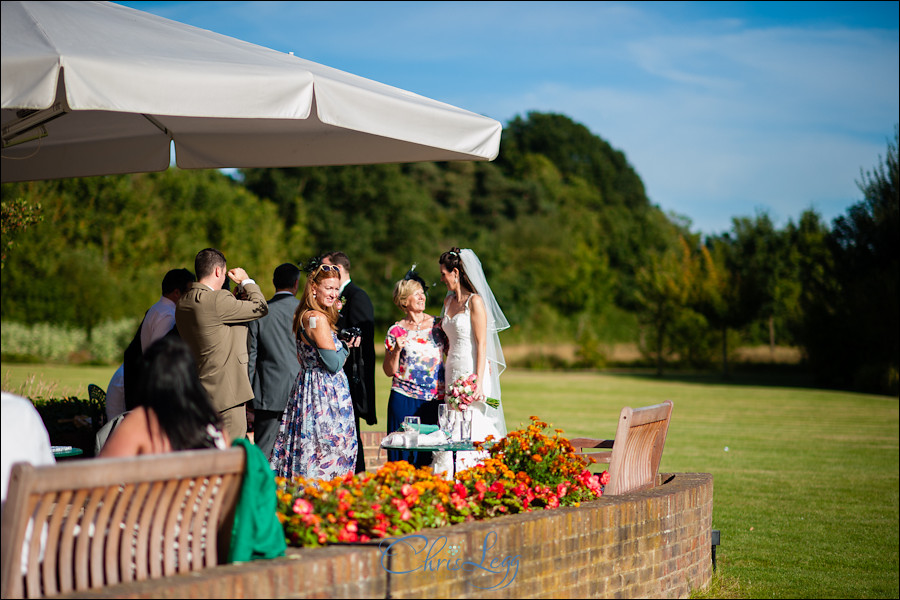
[{"x": 755, "y": 375}]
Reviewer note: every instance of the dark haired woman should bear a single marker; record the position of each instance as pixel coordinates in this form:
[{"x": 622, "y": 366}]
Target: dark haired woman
[
  {"x": 317, "y": 436},
  {"x": 471, "y": 319},
  {"x": 173, "y": 411}
]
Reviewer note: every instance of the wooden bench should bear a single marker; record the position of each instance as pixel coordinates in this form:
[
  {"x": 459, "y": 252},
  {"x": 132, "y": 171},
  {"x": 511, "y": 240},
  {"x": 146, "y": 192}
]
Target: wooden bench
[
  {"x": 636, "y": 450},
  {"x": 88, "y": 524}
]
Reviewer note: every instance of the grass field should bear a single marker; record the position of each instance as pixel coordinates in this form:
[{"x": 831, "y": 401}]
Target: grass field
[{"x": 806, "y": 480}]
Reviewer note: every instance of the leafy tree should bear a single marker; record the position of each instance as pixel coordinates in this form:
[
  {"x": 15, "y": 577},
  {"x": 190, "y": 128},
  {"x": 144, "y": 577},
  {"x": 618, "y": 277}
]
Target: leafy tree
[
  {"x": 866, "y": 247},
  {"x": 664, "y": 293},
  {"x": 18, "y": 214},
  {"x": 717, "y": 295},
  {"x": 106, "y": 242}
]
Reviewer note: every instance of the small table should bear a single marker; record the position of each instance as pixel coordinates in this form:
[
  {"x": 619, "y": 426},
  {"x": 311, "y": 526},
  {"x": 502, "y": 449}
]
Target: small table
[{"x": 452, "y": 447}]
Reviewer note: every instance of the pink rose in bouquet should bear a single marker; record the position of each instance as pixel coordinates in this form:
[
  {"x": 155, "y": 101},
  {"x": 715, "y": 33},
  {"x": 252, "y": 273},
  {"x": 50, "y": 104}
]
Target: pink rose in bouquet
[{"x": 462, "y": 392}]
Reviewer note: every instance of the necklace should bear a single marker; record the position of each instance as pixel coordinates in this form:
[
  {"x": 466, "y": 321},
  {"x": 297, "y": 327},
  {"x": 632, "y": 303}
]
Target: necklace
[{"x": 416, "y": 326}]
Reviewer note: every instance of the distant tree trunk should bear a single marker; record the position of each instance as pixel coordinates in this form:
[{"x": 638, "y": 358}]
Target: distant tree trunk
[
  {"x": 772, "y": 336},
  {"x": 725, "y": 351},
  {"x": 660, "y": 335}
]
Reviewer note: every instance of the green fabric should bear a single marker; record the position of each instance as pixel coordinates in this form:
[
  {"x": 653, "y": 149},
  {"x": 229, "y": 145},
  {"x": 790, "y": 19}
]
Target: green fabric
[
  {"x": 333, "y": 359},
  {"x": 257, "y": 532},
  {"x": 424, "y": 428}
]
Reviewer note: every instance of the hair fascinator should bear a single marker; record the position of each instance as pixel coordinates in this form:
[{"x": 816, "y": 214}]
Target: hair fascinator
[
  {"x": 411, "y": 275},
  {"x": 311, "y": 265}
]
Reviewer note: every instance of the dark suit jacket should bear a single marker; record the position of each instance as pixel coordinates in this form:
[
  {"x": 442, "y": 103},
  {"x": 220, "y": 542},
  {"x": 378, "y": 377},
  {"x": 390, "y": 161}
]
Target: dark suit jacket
[
  {"x": 359, "y": 312},
  {"x": 273, "y": 362},
  {"x": 213, "y": 323}
]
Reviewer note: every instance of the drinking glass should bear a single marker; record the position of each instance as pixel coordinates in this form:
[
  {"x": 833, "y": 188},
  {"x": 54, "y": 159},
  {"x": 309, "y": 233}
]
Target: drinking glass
[
  {"x": 444, "y": 421},
  {"x": 411, "y": 425},
  {"x": 465, "y": 426}
]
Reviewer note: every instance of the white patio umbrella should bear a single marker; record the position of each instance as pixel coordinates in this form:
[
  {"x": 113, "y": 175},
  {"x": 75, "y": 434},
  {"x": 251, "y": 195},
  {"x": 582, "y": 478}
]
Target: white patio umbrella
[{"x": 94, "y": 88}]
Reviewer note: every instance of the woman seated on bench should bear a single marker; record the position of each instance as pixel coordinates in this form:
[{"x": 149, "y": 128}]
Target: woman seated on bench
[{"x": 173, "y": 412}]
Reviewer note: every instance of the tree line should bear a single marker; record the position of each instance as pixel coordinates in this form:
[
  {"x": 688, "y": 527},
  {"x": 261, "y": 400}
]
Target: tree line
[{"x": 572, "y": 246}]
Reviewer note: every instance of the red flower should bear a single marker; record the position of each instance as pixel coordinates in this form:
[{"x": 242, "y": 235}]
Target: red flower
[
  {"x": 498, "y": 489},
  {"x": 481, "y": 488},
  {"x": 604, "y": 478}
]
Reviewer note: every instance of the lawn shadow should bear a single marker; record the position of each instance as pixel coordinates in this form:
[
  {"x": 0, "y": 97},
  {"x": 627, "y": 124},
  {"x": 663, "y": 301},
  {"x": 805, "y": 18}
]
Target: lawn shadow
[{"x": 755, "y": 375}]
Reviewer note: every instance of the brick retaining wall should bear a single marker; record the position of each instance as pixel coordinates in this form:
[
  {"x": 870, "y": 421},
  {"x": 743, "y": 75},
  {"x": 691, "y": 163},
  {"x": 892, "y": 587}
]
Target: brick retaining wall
[{"x": 654, "y": 543}]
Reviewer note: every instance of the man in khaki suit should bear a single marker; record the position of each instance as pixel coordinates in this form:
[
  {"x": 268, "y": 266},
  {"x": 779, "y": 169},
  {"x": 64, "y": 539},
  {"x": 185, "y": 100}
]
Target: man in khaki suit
[{"x": 213, "y": 323}]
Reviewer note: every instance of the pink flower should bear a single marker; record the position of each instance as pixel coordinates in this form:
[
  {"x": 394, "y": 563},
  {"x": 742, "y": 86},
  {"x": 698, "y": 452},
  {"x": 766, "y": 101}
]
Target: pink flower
[
  {"x": 302, "y": 507},
  {"x": 403, "y": 507}
]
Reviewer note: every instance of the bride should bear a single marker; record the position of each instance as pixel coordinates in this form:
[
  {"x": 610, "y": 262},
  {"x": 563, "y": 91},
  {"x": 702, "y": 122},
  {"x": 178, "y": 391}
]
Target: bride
[{"x": 471, "y": 318}]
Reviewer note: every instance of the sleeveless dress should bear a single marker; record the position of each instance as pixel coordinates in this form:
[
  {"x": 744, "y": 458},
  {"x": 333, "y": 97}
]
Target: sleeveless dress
[
  {"x": 317, "y": 436},
  {"x": 460, "y": 362}
]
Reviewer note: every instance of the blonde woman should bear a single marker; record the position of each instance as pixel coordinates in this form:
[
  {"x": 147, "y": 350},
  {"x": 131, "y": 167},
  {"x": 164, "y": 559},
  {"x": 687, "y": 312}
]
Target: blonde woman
[{"x": 414, "y": 358}]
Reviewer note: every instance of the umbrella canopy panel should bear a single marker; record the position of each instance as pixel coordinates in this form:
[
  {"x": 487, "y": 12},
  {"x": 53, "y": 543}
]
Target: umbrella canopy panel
[{"x": 92, "y": 88}]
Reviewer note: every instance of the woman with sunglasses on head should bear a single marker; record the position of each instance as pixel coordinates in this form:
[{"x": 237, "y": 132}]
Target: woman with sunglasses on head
[
  {"x": 471, "y": 319},
  {"x": 317, "y": 436}
]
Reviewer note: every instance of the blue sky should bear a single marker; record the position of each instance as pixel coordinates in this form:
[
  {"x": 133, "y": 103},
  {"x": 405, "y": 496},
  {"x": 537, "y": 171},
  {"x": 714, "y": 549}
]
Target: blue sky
[{"x": 723, "y": 108}]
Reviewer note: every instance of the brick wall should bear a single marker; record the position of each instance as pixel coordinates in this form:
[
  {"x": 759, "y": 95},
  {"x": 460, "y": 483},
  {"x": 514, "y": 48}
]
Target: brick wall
[
  {"x": 654, "y": 543},
  {"x": 375, "y": 456}
]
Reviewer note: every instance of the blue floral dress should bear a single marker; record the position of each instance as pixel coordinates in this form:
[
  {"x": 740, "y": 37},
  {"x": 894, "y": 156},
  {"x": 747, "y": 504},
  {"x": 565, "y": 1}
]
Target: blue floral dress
[{"x": 317, "y": 437}]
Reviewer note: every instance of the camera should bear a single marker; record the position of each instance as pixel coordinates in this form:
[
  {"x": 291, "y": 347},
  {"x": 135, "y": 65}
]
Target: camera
[{"x": 345, "y": 335}]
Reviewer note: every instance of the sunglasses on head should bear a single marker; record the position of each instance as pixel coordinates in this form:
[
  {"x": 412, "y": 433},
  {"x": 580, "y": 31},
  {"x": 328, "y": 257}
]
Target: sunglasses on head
[{"x": 329, "y": 268}]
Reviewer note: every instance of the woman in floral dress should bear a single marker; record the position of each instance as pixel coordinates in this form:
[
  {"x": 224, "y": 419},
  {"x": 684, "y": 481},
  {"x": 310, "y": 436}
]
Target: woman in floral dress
[
  {"x": 317, "y": 437},
  {"x": 414, "y": 352}
]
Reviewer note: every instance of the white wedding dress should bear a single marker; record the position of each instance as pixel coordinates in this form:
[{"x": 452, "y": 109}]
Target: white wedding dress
[{"x": 461, "y": 362}]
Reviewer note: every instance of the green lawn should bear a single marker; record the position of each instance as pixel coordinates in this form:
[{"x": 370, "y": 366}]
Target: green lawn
[{"x": 806, "y": 480}]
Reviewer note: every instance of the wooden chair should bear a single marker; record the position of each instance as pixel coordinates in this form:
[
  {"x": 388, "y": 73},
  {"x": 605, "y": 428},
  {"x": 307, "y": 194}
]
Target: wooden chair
[
  {"x": 636, "y": 450},
  {"x": 93, "y": 523}
]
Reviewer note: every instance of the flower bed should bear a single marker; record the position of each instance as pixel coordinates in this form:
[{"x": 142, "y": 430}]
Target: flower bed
[{"x": 527, "y": 470}]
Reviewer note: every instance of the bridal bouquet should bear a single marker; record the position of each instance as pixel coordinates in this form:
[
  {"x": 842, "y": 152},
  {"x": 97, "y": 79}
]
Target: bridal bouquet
[{"x": 462, "y": 393}]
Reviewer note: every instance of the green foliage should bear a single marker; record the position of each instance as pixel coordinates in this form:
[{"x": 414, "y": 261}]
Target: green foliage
[
  {"x": 849, "y": 325},
  {"x": 41, "y": 341},
  {"x": 18, "y": 214},
  {"x": 105, "y": 242},
  {"x": 574, "y": 250}
]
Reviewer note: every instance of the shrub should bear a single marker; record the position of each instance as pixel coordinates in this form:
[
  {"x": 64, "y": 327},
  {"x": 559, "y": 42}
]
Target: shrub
[
  {"x": 44, "y": 341},
  {"x": 72, "y": 421},
  {"x": 109, "y": 340}
]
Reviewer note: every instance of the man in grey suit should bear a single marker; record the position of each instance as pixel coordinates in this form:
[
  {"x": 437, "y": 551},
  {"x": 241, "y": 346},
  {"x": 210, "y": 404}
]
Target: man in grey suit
[
  {"x": 212, "y": 322},
  {"x": 273, "y": 362}
]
